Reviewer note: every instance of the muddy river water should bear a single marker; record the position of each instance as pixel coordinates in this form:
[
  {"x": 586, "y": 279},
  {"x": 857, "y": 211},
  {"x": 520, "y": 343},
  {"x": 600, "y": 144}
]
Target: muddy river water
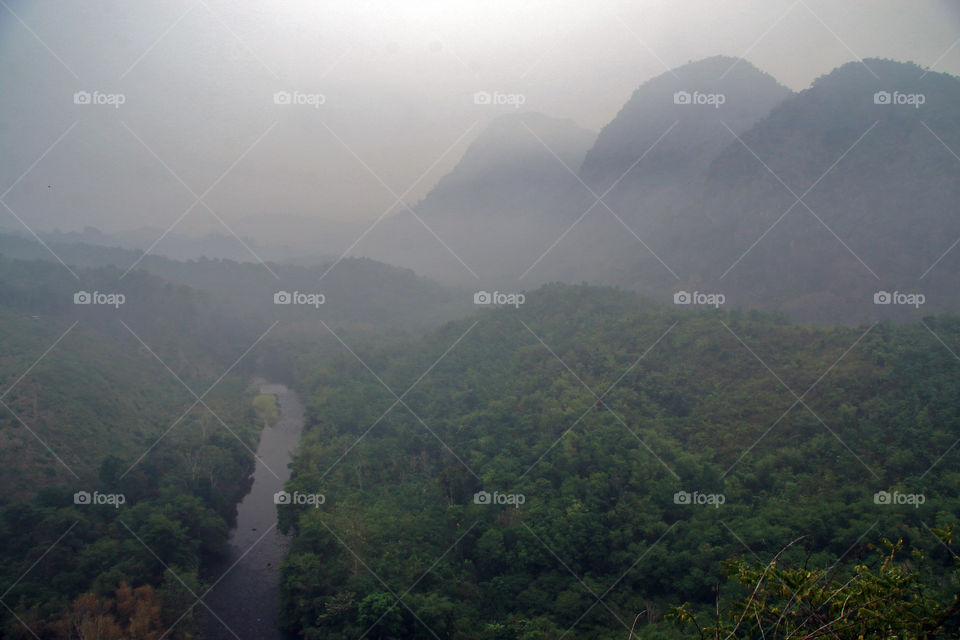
[{"x": 245, "y": 602}]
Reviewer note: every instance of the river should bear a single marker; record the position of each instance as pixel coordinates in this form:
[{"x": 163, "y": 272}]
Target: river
[{"x": 247, "y": 597}]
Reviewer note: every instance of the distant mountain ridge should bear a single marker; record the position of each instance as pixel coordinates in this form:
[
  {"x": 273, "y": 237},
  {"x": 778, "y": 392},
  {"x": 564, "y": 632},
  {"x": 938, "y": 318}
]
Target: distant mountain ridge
[
  {"x": 650, "y": 162},
  {"x": 712, "y": 177},
  {"x": 694, "y": 185},
  {"x": 507, "y": 194},
  {"x": 693, "y": 99},
  {"x": 880, "y": 181},
  {"x": 528, "y": 179},
  {"x": 513, "y": 155},
  {"x": 357, "y": 290}
]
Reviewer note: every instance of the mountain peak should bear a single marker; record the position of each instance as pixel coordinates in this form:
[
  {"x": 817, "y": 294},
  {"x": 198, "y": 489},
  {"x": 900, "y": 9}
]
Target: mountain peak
[
  {"x": 688, "y": 109},
  {"x": 512, "y": 147}
]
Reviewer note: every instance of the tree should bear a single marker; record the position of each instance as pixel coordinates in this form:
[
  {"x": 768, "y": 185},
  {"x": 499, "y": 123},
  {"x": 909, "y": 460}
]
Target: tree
[{"x": 796, "y": 603}]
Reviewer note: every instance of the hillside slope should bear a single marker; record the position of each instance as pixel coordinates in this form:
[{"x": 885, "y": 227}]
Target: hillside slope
[
  {"x": 878, "y": 183},
  {"x": 622, "y": 445}
]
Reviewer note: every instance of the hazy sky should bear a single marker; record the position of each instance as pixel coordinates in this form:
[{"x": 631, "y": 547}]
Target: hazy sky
[{"x": 198, "y": 78}]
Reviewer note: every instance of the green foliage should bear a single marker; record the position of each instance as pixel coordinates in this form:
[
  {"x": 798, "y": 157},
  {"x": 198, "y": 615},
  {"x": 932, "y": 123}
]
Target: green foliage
[
  {"x": 887, "y": 600},
  {"x": 266, "y": 407},
  {"x": 682, "y": 401},
  {"x": 107, "y": 410}
]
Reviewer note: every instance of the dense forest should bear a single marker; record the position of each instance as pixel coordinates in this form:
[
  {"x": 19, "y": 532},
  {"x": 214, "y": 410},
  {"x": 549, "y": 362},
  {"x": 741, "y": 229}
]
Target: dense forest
[
  {"x": 146, "y": 407},
  {"x": 589, "y": 463},
  {"x": 119, "y": 483},
  {"x": 591, "y": 456}
]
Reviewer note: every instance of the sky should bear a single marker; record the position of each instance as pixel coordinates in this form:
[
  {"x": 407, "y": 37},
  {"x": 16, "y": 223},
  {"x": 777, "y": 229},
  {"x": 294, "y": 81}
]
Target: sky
[{"x": 183, "y": 129}]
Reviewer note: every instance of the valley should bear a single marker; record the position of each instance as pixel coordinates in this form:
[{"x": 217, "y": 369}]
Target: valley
[
  {"x": 245, "y": 586},
  {"x": 352, "y": 321}
]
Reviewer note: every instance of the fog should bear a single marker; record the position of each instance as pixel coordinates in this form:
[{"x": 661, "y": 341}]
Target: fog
[
  {"x": 458, "y": 318},
  {"x": 199, "y": 145}
]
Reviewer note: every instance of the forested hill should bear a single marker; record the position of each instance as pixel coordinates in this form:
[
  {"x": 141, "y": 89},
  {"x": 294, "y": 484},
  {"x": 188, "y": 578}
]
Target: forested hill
[
  {"x": 358, "y": 292},
  {"x": 627, "y": 448},
  {"x": 131, "y": 383},
  {"x": 109, "y": 383},
  {"x": 100, "y": 401},
  {"x": 92, "y": 380}
]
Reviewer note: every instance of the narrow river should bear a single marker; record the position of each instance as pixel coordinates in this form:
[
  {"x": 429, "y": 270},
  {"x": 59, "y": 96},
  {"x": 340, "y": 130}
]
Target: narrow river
[{"x": 246, "y": 599}]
